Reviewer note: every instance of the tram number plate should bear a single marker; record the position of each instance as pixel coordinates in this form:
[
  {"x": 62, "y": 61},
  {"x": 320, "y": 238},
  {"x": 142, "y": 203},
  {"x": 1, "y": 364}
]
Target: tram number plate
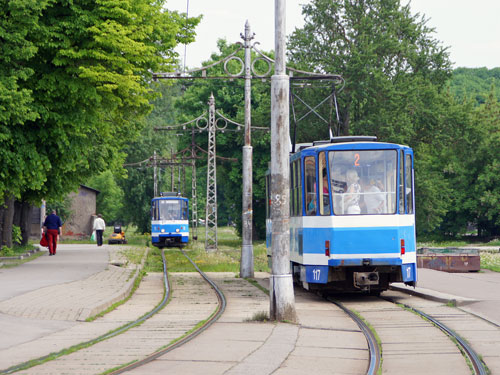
[
  {"x": 408, "y": 272},
  {"x": 317, "y": 274}
]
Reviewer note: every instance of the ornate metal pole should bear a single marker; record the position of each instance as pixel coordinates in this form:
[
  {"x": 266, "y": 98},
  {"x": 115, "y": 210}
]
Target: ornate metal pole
[
  {"x": 281, "y": 285},
  {"x": 246, "y": 264}
]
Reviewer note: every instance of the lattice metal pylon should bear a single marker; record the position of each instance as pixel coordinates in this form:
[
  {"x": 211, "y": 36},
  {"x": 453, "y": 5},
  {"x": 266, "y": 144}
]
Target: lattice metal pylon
[{"x": 211, "y": 209}]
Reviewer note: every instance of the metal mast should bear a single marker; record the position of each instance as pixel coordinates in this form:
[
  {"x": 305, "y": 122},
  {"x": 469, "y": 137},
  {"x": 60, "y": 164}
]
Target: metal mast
[
  {"x": 194, "y": 197},
  {"x": 246, "y": 264},
  {"x": 211, "y": 209}
]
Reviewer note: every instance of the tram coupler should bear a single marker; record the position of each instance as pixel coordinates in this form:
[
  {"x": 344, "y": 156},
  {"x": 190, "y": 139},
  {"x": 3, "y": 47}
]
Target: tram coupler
[{"x": 364, "y": 279}]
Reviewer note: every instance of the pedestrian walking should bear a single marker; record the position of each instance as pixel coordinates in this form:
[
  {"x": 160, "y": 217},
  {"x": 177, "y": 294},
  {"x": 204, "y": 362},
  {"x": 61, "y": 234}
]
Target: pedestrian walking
[
  {"x": 99, "y": 226},
  {"x": 52, "y": 227}
]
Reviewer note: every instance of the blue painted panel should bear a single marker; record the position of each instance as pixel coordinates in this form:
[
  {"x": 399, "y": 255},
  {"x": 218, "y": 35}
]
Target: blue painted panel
[
  {"x": 408, "y": 272},
  {"x": 408, "y": 233},
  {"x": 352, "y": 240},
  {"x": 359, "y": 262},
  {"x": 317, "y": 274}
]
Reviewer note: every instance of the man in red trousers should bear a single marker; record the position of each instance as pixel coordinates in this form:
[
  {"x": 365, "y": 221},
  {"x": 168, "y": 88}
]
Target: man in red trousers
[{"x": 51, "y": 226}]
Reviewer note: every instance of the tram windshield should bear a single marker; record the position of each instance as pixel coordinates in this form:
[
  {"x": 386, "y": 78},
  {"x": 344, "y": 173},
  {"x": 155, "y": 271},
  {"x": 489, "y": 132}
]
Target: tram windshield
[
  {"x": 170, "y": 209},
  {"x": 363, "y": 181}
]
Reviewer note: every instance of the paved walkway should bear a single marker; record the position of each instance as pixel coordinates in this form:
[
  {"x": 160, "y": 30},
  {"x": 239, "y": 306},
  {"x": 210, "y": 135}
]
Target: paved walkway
[{"x": 82, "y": 280}]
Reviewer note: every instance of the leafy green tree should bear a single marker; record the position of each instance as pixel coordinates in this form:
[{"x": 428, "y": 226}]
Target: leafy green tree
[
  {"x": 480, "y": 196},
  {"x": 20, "y": 163},
  {"x": 83, "y": 77},
  {"x": 395, "y": 79},
  {"x": 475, "y": 83}
]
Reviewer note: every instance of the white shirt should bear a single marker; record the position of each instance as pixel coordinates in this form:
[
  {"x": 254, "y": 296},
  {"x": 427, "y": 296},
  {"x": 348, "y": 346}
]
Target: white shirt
[{"x": 99, "y": 224}]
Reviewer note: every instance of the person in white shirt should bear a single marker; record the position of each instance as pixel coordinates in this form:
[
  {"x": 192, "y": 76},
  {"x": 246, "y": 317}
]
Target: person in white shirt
[{"x": 99, "y": 226}]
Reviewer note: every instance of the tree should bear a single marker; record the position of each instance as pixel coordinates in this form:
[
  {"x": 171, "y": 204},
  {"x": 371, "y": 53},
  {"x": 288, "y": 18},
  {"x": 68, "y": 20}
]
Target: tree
[
  {"x": 86, "y": 77},
  {"x": 395, "y": 80}
]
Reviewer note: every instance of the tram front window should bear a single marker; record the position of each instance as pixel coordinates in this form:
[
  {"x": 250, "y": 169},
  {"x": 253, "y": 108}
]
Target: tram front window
[
  {"x": 363, "y": 182},
  {"x": 170, "y": 210}
]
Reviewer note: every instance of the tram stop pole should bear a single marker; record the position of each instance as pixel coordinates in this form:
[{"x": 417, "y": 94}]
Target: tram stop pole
[{"x": 282, "y": 299}]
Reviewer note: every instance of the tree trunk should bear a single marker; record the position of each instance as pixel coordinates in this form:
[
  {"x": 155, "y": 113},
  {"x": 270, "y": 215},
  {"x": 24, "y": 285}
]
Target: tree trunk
[
  {"x": 25, "y": 222},
  {"x": 2, "y": 210},
  {"x": 8, "y": 218}
]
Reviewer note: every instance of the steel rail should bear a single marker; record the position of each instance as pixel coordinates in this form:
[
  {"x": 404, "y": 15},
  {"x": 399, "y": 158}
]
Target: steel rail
[
  {"x": 479, "y": 368},
  {"x": 220, "y": 309},
  {"x": 373, "y": 348}
]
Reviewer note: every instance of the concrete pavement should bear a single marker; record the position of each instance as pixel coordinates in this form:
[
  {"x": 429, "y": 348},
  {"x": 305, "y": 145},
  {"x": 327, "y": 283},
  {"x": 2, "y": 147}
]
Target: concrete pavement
[{"x": 81, "y": 280}]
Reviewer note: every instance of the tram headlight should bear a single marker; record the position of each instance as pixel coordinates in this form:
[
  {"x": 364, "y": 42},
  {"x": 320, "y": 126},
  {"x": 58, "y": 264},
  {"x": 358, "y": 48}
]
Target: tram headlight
[
  {"x": 163, "y": 230},
  {"x": 177, "y": 230}
]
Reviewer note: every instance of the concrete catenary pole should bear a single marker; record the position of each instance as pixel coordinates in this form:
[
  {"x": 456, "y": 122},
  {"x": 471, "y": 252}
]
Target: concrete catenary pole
[
  {"x": 246, "y": 264},
  {"x": 281, "y": 284}
]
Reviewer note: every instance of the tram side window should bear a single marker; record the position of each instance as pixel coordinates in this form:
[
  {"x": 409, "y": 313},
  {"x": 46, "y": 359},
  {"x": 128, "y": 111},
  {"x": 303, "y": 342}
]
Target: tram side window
[
  {"x": 184, "y": 210},
  {"x": 310, "y": 185},
  {"x": 409, "y": 184},
  {"x": 292, "y": 191},
  {"x": 324, "y": 203},
  {"x": 401, "y": 184},
  {"x": 268, "y": 197},
  {"x": 299, "y": 188}
]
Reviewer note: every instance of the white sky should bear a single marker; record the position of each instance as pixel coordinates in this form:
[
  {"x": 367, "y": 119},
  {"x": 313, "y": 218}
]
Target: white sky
[{"x": 470, "y": 29}]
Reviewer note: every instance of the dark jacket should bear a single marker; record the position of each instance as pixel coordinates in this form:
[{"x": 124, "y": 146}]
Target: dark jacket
[{"x": 52, "y": 222}]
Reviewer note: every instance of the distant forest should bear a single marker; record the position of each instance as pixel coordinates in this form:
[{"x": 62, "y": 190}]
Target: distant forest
[{"x": 475, "y": 83}]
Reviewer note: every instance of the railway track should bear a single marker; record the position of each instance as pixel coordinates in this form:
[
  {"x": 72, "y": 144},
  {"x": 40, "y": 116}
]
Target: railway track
[
  {"x": 221, "y": 307},
  {"x": 375, "y": 355},
  {"x": 476, "y": 362},
  {"x": 477, "y": 367}
]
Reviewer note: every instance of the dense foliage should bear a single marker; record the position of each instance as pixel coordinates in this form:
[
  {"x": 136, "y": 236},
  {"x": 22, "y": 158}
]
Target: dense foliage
[
  {"x": 74, "y": 87},
  {"x": 475, "y": 83}
]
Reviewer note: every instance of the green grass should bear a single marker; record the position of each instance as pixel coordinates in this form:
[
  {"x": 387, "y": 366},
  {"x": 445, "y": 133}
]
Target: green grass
[
  {"x": 490, "y": 261},
  {"x": 225, "y": 259}
]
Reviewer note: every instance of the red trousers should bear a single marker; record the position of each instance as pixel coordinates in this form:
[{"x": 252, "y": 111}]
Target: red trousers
[{"x": 52, "y": 238}]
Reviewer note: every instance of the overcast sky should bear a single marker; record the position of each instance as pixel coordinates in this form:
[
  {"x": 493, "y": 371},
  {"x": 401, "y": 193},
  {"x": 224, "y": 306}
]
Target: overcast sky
[{"x": 470, "y": 29}]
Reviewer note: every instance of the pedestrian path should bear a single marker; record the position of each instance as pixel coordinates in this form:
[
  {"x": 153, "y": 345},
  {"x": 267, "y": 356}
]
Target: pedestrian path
[{"x": 80, "y": 281}]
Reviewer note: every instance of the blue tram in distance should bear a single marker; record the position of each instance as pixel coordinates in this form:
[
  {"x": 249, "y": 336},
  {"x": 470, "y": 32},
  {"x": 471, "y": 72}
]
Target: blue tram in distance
[
  {"x": 169, "y": 220},
  {"x": 352, "y": 215}
]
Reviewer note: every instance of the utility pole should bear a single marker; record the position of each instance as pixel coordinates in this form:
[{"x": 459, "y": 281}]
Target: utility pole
[
  {"x": 246, "y": 264},
  {"x": 155, "y": 178},
  {"x": 211, "y": 209},
  {"x": 281, "y": 284}
]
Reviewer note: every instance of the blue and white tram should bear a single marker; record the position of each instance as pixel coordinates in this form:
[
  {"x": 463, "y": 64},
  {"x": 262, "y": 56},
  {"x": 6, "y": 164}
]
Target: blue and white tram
[
  {"x": 352, "y": 215},
  {"x": 169, "y": 220}
]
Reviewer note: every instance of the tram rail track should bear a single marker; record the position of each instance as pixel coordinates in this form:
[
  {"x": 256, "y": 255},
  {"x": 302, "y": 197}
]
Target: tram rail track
[
  {"x": 476, "y": 362},
  {"x": 374, "y": 350},
  {"x": 191, "y": 335}
]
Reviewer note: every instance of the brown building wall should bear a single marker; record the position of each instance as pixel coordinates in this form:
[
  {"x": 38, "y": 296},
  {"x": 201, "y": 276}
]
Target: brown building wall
[{"x": 83, "y": 207}]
